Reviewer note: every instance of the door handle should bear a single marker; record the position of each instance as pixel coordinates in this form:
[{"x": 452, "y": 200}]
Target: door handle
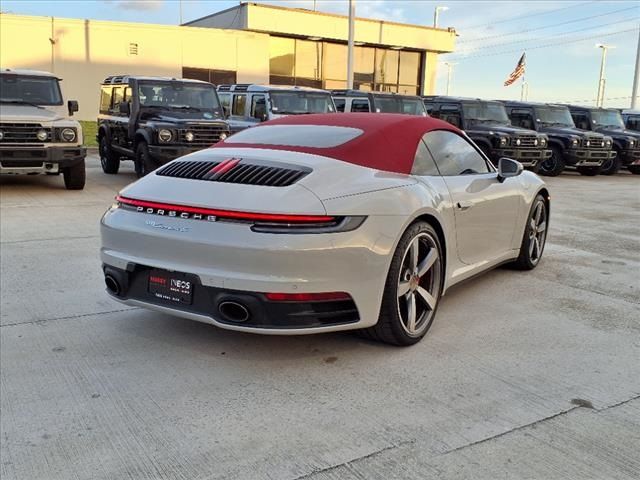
[{"x": 464, "y": 205}]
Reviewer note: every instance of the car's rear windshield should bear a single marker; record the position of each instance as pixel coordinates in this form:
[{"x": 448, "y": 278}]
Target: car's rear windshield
[
  {"x": 315, "y": 136},
  {"x": 29, "y": 89}
]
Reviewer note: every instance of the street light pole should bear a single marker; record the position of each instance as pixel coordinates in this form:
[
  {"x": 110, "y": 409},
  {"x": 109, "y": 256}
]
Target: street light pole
[
  {"x": 634, "y": 89},
  {"x": 352, "y": 18},
  {"x": 449, "y": 68},
  {"x": 436, "y": 14},
  {"x": 602, "y": 81}
]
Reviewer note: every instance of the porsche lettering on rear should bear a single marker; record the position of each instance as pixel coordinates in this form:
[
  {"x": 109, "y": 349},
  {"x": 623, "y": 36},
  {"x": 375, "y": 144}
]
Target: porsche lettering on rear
[{"x": 176, "y": 213}]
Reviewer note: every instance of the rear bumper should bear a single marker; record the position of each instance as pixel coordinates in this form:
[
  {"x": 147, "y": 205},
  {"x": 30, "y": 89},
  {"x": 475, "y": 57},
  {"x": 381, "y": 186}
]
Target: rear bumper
[
  {"x": 587, "y": 158},
  {"x": 527, "y": 157},
  {"x": 229, "y": 259},
  {"x": 262, "y": 314},
  {"x": 18, "y": 160}
]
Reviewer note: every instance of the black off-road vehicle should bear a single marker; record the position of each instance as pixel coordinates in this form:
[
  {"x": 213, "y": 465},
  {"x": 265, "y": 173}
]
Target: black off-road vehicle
[
  {"x": 631, "y": 119},
  {"x": 488, "y": 125},
  {"x": 152, "y": 120},
  {"x": 608, "y": 121},
  {"x": 570, "y": 146}
]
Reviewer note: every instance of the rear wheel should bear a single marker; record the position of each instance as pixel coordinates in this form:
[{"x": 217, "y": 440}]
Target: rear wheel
[
  {"x": 108, "y": 159},
  {"x": 589, "y": 171},
  {"x": 635, "y": 169},
  {"x": 412, "y": 290},
  {"x": 611, "y": 166},
  {"x": 554, "y": 165},
  {"x": 535, "y": 236},
  {"x": 75, "y": 176},
  {"x": 144, "y": 164}
]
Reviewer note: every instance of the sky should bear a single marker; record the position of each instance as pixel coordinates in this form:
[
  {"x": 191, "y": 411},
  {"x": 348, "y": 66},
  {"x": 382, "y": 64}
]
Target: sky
[{"x": 559, "y": 38}]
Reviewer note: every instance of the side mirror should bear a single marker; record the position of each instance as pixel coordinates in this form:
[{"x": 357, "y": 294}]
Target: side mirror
[
  {"x": 264, "y": 117},
  {"x": 72, "y": 105},
  {"x": 508, "y": 167},
  {"x": 225, "y": 110},
  {"x": 124, "y": 108}
]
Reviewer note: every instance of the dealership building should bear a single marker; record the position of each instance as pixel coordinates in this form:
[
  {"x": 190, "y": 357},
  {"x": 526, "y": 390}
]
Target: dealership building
[{"x": 249, "y": 43}]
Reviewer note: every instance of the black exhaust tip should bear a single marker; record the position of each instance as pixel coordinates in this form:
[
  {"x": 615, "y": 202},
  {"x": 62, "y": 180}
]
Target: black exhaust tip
[
  {"x": 112, "y": 284},
  {"x": 233, "y": 311}
]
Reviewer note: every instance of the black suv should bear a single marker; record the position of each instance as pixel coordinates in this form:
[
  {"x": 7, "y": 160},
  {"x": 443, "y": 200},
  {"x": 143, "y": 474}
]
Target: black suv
[
  {"x": 631, "y": 119},
  {"x": 488, "y": 125},
  {"x": 152, "y": 120},
  {"x": 378, "y": 102},
  {"x": 608, "y": 121},
  {"x": 570, "y": 146}
]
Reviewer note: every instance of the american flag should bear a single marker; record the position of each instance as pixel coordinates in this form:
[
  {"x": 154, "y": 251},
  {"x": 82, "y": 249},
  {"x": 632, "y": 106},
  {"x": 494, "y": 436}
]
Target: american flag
[{"x": 517, "y": 72}]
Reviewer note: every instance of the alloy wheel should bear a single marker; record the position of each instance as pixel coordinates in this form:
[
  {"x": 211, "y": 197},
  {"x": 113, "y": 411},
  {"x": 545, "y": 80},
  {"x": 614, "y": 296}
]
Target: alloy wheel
[
  {"x": 419, "y": 284},
  {"x": 537, "y": 232}
]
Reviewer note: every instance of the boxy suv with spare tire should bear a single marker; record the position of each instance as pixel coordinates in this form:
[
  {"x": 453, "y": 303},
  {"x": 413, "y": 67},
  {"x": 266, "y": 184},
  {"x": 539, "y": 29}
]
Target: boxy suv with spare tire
[
  {"x": 608, "y": 121},
  {"x": 36, "y": 133},
  {"x": 570, "y": 146},
  {"x": 152, "y": 120},
  {"x": 488, "y": 125}
]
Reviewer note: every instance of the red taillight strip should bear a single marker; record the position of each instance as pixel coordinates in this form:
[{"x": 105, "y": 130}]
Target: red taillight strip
[
  {"x": 307, "y": 297},
  {"x": 224, "y": 167},
  {"x": 249, "y": 216}
]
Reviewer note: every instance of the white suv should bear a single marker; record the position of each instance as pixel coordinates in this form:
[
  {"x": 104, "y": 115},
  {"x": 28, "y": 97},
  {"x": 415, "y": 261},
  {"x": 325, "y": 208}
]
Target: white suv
[{"x": 36, "y": 133}]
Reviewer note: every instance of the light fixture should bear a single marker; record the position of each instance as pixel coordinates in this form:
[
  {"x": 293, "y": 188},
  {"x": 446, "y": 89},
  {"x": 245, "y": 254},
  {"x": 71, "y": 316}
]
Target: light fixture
[
  {"x": 397, "y": 48},
  {"x": 315, "y": 39}
]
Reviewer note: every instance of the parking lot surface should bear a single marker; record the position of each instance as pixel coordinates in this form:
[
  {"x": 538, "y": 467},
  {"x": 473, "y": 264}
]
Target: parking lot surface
[{"x": 523, "y": 375}]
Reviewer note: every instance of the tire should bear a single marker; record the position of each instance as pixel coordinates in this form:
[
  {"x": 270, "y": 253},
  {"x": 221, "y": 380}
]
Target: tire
[
  {"x": 612, "y": 165},
  {"x": 589, "y": 171},
  {"x": 554, "y": 165},
  {"x": 635, "y": 169},
  {"x": 394, "y": 325},
  {"x": 75, "y": 176},
  {"x": 109, "y": 160},
  {"x": 527, "y": 260},
  {"x": 144, "y": 164}
]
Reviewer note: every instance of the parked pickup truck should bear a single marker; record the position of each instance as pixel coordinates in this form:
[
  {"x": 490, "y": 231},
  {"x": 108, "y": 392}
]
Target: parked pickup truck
[
  {"x": 488, "y": 125},
  {"x": 37, "y": 134}
]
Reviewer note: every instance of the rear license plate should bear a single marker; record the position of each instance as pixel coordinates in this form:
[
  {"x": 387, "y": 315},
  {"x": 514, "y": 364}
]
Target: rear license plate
[{"x": 171, "y": 286}]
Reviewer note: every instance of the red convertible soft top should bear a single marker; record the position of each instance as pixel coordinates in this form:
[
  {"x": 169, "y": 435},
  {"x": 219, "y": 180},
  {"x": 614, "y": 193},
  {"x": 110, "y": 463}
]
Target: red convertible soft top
[{"x": 388, "y": 143}]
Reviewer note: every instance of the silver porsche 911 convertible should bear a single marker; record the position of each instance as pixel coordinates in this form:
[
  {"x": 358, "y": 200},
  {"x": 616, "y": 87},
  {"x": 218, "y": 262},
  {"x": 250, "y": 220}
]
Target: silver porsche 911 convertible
[{"x": 320, "y": 223}]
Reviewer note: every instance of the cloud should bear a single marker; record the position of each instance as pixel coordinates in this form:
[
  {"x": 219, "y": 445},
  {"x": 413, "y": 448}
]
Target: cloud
[{"x": 144, "y": 5}]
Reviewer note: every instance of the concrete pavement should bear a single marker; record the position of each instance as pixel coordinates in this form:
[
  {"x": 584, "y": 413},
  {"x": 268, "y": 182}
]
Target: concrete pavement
[{"x": 523, "y": 375}]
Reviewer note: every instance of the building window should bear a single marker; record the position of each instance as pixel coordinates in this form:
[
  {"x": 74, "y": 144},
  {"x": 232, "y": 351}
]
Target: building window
[
  {"x": 324, "y": 65},
  {"x": 217, "y": 77}
]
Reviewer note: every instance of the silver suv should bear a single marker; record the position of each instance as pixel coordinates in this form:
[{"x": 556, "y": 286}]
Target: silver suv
[
  {"x": 247, "y": 105},
  {"x": 36, "y": 133}
]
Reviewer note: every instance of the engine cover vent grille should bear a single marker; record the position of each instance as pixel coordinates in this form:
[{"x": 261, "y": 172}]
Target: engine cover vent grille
[{"x": 233, "y": 170}]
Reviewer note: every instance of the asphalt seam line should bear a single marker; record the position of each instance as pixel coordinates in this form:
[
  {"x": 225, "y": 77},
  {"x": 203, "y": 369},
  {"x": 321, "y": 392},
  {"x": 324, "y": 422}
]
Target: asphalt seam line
[{"x": 70, "y": 317}]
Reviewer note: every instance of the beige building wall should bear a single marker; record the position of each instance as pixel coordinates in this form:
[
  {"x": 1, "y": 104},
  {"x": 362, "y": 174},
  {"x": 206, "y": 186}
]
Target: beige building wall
[{"x": 87, "y": 51}]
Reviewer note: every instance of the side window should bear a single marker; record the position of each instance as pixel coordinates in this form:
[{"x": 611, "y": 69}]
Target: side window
[
  {"x": 258, "y": 107},
  {"x": 239, "y": 104},
  {"x": 522, "y": 118},
  {"x": 581, "y": 120},
  {"x": 451, "y": 114},
  {"x": 127, "y": 94},
  {"x": 105, "y": 99},
  {"x": 454, "y": 155},
  {"x": 423, "y": 163},
  {"x": 359, "y": 105},
  {"x": 340, "y": 103},
  {"x": 118, "y": 96},
  {"x": 225, "y": 101}
]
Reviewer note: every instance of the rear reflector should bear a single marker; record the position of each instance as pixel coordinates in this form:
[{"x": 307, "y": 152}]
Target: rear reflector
[
  {"x": 307, "y": 297},
  {"x": 228, "y": 214}
]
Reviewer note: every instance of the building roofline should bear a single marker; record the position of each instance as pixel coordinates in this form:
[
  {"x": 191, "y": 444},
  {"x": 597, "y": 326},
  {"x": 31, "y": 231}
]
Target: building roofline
[{"x": 313, "y": 12}]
